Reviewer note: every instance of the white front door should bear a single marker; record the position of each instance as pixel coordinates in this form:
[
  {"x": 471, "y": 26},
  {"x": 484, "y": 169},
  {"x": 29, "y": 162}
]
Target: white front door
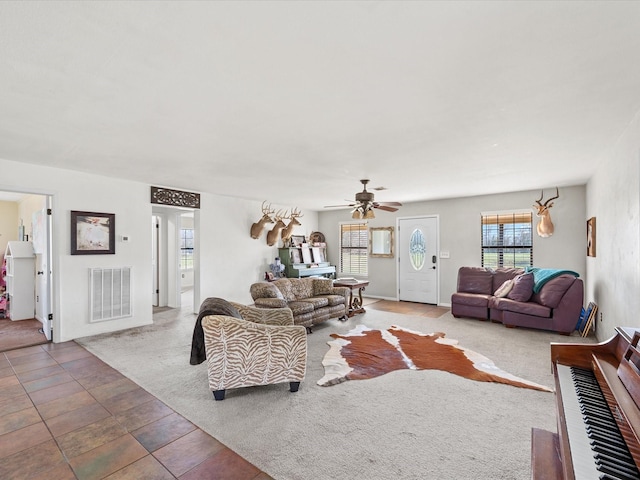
[
  {"x": 418, "y": 260},
  {"x": 41, "y": 224}
]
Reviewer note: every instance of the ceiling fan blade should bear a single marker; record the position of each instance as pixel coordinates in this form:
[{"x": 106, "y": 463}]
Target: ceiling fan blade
[
  {"x": 385, "y": 208},
  {"x": 390, "y": 204},
  {"x": 340, "y": 206}
]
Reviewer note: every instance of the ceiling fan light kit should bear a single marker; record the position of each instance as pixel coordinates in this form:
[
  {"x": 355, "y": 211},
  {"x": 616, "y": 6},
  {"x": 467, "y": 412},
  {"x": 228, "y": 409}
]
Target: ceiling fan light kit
[{"x": 365, "y": 203}]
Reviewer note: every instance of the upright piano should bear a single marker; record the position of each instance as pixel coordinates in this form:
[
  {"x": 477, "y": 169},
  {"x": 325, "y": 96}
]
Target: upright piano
[{"x": 597, "y": 398}]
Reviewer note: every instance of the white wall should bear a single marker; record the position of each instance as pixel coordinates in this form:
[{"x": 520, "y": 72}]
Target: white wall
[
  {"x": 459, "y": 222},
  {"x": 230, "y": 259},
  {"x": 129, "y": 201},
  {"x": 613, "y": 198}
]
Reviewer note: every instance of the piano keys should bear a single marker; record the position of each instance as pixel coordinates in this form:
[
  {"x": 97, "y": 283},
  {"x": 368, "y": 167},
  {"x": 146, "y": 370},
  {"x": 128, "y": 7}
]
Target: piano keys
[
  {"x": 598, "y": 416},
  {"x": 598, "y": 450}
]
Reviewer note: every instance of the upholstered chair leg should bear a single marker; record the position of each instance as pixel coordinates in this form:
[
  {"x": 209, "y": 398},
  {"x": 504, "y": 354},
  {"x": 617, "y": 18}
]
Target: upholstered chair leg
[
  {"x": 294, "y": 386},
  {"x": 219, "y": 394},
  {"x": 309, "y": 329}
]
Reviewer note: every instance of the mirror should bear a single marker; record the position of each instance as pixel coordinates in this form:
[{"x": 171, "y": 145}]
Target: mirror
[{"x": 381, "y": 242}]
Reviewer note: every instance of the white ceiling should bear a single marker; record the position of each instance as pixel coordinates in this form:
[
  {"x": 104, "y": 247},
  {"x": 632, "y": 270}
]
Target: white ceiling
[{"x": 294, "y": 102}]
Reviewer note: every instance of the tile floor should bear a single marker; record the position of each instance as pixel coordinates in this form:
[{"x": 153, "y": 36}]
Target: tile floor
[{"x": 65, "y": 414}]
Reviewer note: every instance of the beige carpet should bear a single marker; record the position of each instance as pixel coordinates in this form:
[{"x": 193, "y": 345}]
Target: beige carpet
[{"x": 403, "y": 425}]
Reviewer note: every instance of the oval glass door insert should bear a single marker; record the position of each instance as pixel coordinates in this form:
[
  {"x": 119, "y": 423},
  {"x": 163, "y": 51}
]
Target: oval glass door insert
[{"x": 417, "y": 249}]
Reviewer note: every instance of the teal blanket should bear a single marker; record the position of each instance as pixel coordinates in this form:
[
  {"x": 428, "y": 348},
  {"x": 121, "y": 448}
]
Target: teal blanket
[{"x": 543, "y": 275}]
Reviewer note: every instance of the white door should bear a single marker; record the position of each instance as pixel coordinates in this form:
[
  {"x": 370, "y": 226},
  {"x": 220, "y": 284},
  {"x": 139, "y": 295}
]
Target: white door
[
  {"x": 155, "y": 245},
  {"x": 418, "y": 261},
  {"x": 41, "y": 224}
]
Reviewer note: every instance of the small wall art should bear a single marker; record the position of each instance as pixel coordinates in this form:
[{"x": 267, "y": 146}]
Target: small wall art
[
  {"x": 591, "y": 237},
  {"x": 297, "y": 240},
  {"x": 93, "y": 233}
]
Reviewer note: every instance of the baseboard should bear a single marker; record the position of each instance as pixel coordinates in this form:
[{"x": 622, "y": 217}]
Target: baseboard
[
  {"x": 395, "y": 299},
  {"x": 378, "y": 297}
]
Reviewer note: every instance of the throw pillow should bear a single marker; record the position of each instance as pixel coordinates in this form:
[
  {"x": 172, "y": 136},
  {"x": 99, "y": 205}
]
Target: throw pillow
[
  {"x": 504, "y": 289},
  {"x": 522, "y": 288}
]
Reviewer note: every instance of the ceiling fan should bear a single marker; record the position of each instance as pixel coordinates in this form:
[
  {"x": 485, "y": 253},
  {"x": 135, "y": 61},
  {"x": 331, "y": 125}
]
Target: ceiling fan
[{"x": 365, "y": 203}]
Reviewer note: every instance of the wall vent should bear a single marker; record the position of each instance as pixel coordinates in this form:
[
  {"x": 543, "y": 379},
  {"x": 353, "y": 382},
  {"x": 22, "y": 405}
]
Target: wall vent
[{"x": 110, "y": 293}]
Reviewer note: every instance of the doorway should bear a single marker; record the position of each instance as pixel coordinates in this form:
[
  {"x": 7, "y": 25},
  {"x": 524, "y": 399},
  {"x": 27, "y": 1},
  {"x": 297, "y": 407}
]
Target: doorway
[
  {"x": 174, "y": 258},
  {"x": 27, "y": 217},
  {"x": 418, "y": 260}
]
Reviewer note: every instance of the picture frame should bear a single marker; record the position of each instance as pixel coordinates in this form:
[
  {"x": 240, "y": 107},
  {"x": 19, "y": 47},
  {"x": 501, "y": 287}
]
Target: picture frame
[
  {"x": 297, "y": 240},
  {"x": 93, "y": 233},
  {"x": 318, "y": 254},
  {"x": 590, "y": 320},
  {"x": 381, "y": 242},
  {"x": 591, "y": 237},
  {"x": 295, "y": 256},
  {"x": 306, "y": 255}
]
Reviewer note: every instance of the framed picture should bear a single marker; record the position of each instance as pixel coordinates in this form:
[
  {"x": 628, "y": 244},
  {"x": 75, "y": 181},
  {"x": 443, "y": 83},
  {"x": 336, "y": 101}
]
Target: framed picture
[
  {"x": 297, "y": 240},
  {"x": 295, "y": 256},
  {"x": 93, "y": 233},
  {"x": 591, "y": 237}
]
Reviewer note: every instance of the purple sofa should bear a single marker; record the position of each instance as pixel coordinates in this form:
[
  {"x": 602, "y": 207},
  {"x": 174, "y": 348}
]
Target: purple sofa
[{"x": 556, "y": 306}]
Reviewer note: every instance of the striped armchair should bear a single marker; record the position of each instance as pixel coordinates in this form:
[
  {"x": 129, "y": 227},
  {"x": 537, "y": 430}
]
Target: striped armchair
[{"x": 261, "y": 348}]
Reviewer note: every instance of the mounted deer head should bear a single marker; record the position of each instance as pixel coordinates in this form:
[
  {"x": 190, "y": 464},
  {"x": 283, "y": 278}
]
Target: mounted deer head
[
  {"x": 274, "y": 233},
  {"x": 288, "y": 231},
  {"x": 545, "y": 226},
  {"x": 257, "y": 228}
]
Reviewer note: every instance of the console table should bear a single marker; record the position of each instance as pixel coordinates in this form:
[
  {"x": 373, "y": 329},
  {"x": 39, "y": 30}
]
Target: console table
[{"x": 355, "y": 302}]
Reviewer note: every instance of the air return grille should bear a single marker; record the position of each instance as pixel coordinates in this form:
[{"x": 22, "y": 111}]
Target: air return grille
[{"x": 110, "y": 293}]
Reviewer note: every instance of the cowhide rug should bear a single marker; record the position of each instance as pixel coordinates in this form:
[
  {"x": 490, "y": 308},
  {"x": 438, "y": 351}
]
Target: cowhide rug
[{"x": 365, "y": 353}]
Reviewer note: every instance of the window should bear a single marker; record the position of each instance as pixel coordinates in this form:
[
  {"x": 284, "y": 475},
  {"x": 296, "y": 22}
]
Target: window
[
  {"x": 186, "y": 249},
  {"x": 354, "y": 243},
  {"x": 507, "y": 240}
]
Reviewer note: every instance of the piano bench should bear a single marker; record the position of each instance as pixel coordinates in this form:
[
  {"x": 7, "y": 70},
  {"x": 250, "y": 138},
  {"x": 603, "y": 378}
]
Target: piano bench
[{"x": 545, "y": 455}]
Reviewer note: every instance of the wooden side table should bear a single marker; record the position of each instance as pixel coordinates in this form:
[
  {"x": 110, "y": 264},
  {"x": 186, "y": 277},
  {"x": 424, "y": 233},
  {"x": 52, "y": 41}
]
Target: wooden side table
[{"x": 355, "y": 302}]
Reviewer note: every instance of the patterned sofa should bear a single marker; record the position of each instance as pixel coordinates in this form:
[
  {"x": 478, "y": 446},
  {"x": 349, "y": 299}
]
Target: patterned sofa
[{"x": 311, "y": 300}]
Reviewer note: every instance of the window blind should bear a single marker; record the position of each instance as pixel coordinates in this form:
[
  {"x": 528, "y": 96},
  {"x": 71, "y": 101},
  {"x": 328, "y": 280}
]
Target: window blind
[
  {"x": 507, "y": 240},
  {"x": 354, "y": 242}
]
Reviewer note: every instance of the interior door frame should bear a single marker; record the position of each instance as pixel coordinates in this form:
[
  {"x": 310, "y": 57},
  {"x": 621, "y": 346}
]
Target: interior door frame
[
  {"x": 398, "y": 247},
  {"x": 54, "y": 277},
  {"x": 169, "y": 280}
]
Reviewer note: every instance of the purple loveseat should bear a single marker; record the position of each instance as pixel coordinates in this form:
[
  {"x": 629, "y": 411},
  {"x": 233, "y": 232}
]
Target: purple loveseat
[{"x": 556, "y": 305}]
